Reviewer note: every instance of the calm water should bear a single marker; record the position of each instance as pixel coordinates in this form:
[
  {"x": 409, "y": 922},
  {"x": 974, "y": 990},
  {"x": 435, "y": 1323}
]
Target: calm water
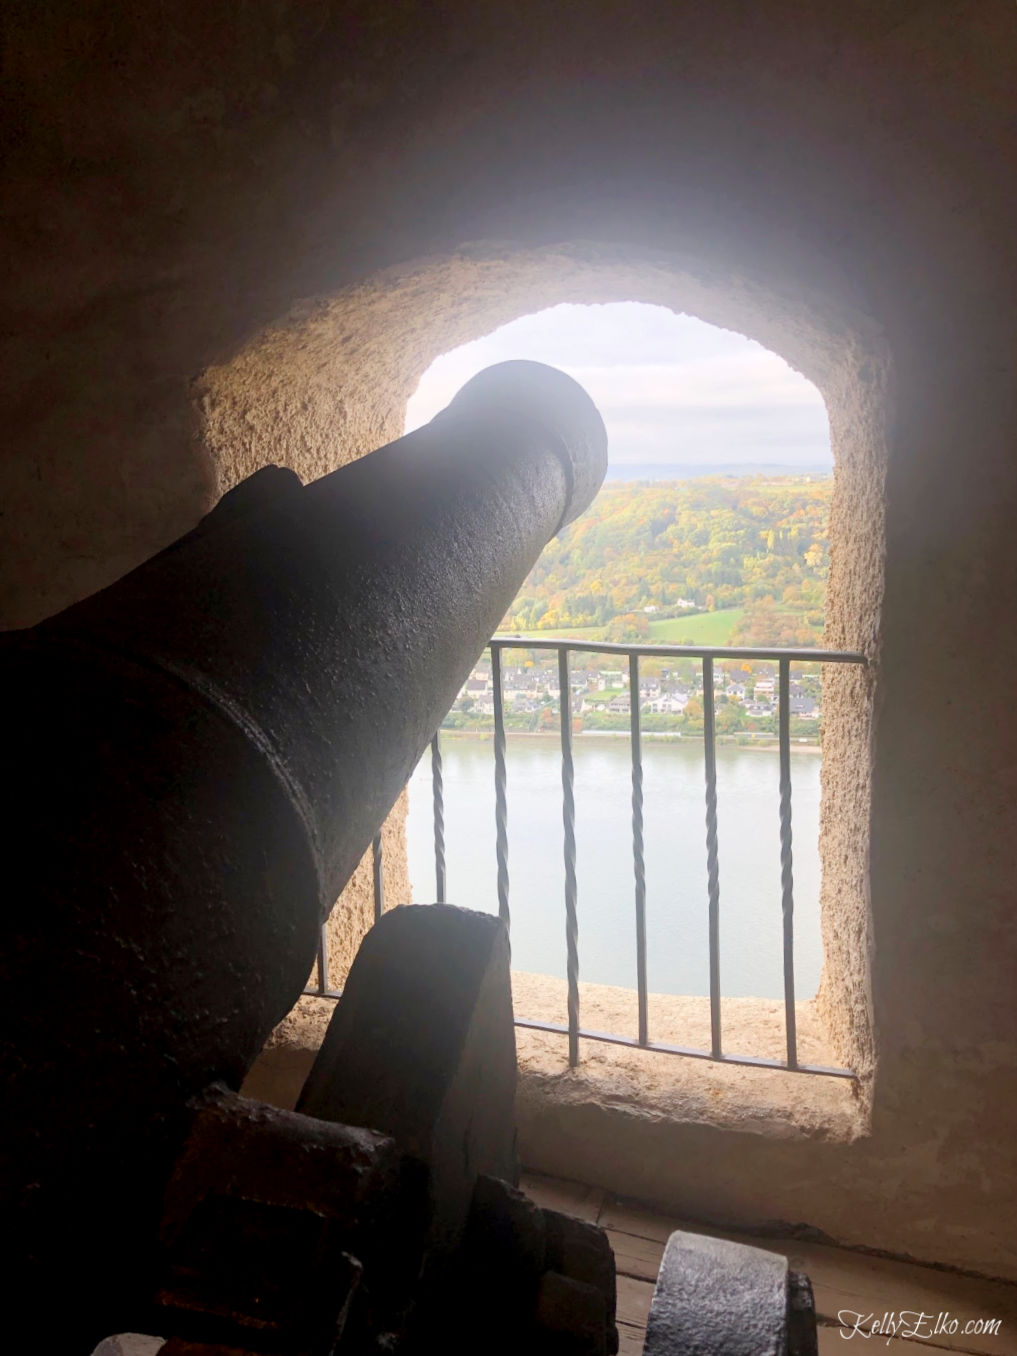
[{"x": 676, "y": 892}]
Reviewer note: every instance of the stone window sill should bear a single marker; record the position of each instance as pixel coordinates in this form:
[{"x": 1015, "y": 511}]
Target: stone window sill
[{"x": 648, "y": 1084}]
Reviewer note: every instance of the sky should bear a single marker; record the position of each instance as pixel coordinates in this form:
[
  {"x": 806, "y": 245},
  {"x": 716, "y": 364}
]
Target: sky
[{"x": 674, "y": 392}]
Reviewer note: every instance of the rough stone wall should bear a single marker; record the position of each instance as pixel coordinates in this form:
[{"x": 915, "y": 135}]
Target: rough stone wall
[
  {"x": 354, "y": 910},
  {"x": 238, "y": 234}
]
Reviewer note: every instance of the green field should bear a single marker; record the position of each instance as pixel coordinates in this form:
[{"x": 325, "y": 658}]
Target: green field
[{"x": 703, "y": 628}]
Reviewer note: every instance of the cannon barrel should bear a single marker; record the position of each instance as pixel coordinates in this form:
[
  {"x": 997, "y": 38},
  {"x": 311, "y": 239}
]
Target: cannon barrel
[{"x": 201, "y": 753}]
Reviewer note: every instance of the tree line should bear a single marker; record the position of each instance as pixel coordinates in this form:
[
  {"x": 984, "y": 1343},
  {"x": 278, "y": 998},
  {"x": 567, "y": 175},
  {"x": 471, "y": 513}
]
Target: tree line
[{"x": 673, "y": 548}]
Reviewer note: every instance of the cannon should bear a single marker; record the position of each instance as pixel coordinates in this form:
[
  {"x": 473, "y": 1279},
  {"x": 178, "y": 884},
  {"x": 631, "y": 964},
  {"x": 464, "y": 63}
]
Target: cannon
[{"x": 198, "y": 756}]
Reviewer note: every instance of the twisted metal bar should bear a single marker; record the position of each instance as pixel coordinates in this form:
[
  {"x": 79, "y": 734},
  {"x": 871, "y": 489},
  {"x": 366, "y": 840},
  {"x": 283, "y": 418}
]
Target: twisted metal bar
[
  {"x": 786, "y": 862},
  {"x": 438, "y": 797},
  {"x": 563, "y": 647},
  {"x": 378, "y": 869},
  {"x": 638, "y": 855},
  {"x": 500, "y": 798},
  {"x": 712, "y": 858},
  {"x": 321, "y": 964},
  {"x": 569, "y": 823}
]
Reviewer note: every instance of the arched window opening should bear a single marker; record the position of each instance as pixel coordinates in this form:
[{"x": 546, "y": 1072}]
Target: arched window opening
[
  {"x": 712, "y": 533},
  {"x": 332, "y": 382}
]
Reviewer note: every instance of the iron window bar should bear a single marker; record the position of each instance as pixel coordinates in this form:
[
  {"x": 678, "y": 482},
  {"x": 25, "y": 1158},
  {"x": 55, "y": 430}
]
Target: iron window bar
[
  {"x": 320, "y": 986},
  {"x": 707, "y": 655},
  {"x": 638, "y": 855}
]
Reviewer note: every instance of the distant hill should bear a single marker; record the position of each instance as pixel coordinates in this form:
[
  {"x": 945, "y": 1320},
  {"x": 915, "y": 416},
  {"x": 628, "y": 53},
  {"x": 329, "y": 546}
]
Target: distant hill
[
  {"x": 695, "y": 470},
  {"x": 647, "y": 552}
]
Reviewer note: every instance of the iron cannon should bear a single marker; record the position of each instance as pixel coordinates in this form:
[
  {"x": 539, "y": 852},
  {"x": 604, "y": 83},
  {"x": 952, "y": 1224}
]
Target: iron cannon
[{"x": 200, "y": 754}]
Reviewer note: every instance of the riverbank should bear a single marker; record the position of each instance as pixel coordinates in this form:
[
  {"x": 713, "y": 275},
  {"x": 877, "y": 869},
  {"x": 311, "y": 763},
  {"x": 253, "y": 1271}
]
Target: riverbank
[{"x": 762, "y": 745}]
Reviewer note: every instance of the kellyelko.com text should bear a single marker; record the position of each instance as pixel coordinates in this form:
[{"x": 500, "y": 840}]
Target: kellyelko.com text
[{"x": 913, "y": 1323}]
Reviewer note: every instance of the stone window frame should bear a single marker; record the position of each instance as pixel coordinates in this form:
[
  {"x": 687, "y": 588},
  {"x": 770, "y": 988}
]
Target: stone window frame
[{"x": 331, "y": 382}]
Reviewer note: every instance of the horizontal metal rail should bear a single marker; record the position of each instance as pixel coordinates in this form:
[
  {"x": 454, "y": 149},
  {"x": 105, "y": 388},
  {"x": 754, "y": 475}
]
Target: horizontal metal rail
[
  {"x": 801, "y": 655},
  {"x": 689, "y": 1051}
]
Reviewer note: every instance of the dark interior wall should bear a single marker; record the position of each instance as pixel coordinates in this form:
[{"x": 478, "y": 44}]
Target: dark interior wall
[
  {"x": 179, "y": 177},
  {"x": 188, "y": 185}
]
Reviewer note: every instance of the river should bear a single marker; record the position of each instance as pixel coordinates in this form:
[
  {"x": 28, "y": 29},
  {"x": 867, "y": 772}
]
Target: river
[{"x": 676, "y": 889}]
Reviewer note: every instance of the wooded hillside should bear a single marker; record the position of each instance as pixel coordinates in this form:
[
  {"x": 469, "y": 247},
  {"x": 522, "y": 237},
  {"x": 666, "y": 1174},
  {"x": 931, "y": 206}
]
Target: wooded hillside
[{"x": 659, "y": 549}]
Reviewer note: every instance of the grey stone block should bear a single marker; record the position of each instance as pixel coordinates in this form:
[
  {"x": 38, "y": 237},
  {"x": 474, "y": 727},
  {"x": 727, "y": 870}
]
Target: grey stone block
[{"x": 715, "y": 1298}]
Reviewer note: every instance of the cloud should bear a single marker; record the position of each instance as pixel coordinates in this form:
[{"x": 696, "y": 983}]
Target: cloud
[{"x": 671, "y": 388}]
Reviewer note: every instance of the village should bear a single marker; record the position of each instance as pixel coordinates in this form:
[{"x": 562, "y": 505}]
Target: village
[{"x": 670, "y": 696}]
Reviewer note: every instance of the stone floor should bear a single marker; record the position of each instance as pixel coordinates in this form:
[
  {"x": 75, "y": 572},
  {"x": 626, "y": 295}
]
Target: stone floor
[{"x": 846, "y": 1283}]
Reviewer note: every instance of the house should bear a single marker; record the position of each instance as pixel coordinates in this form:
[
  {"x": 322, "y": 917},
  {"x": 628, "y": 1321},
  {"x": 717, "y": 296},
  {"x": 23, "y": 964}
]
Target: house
[
  {"x": 806, "y": 708},
  {"x": 667, "y": 706}
]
